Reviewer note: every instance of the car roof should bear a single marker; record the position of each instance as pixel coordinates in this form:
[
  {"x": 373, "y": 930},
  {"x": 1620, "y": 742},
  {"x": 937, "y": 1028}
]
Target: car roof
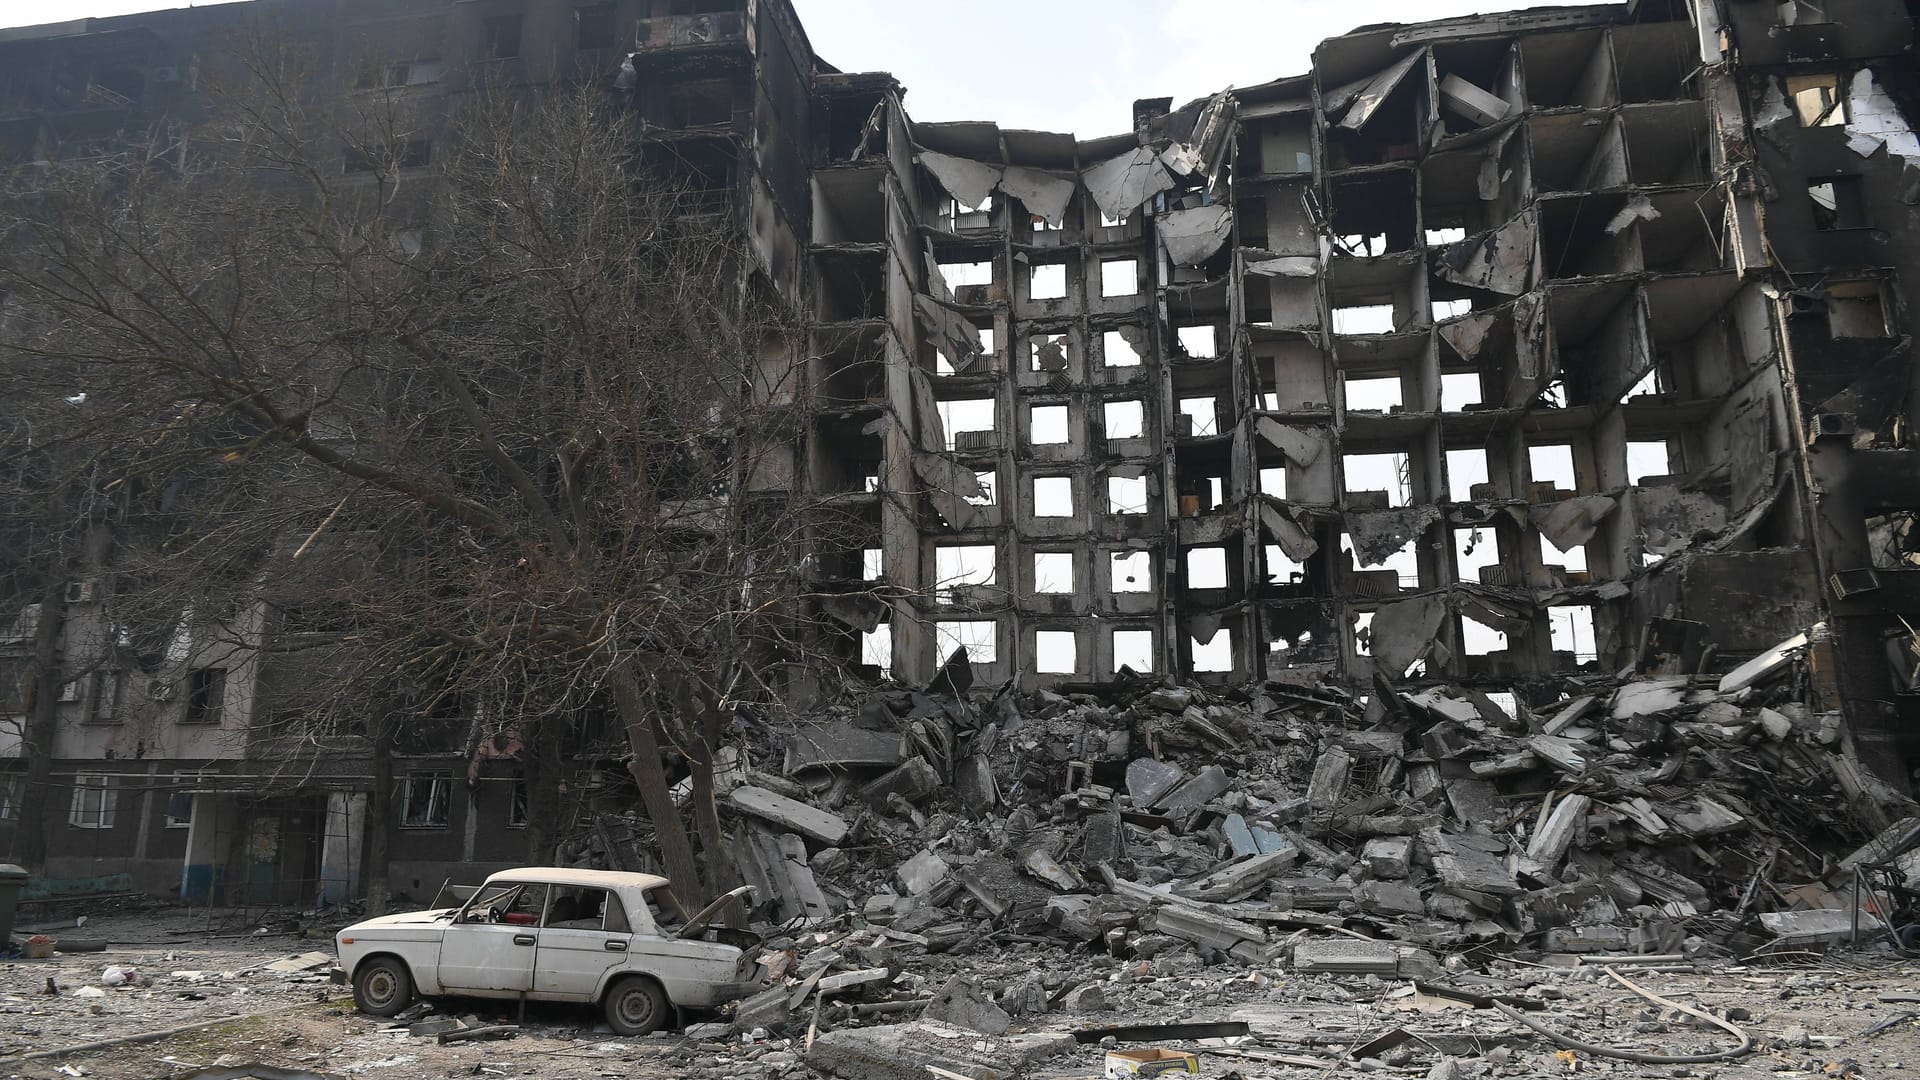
[{"x": 571, "y": 875}]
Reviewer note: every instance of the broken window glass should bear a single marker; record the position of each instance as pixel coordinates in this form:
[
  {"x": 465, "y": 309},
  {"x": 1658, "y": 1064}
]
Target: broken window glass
[{"x": 423, "y": 799}]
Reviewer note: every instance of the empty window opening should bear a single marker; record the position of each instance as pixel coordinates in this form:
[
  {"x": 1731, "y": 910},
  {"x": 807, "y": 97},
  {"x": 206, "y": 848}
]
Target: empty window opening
[
  {"x": 1107, "y": 222},
  {"x": 870, "y": 483},
  {"x": 1048, "y": 282},
  {"x": 206, "y": 695},
  {"x": 1818, "y": 99},
  {"x": 423, "y": 799},
  {"x": 1133, "y": 649},
  {"x": 876, "y": 647},
  {"x": 1215, "y": 655},
  {"x": 1117, "y": 351},
  {"x": 1363, "y": 319},
  {"x": 1197, "y": 341},
  {"x": 1364, "y": 243},
  {"x": 1553, "y": 463},
  {"x": 500, "y": 37},
  {"x": 980, "y": 637},
  {"x": 1126, "y": 494},
  {"x": 1647, "y": 459},
  {"x": 1041, "y": 225},
  {"x": 1273, "y": 481},
  {"x": 1053, "y": 496},
  {"x": 1119, "y": 277},
  {"x": 1363, "y": 633},
  {"x": 1125, "y": 419},
  {"x": 872, "y": 564},
  {"x": 1055, "y": 652},
  {"x": 1473, "y": 551},
  {"x": 1047, "y": 352},
  {"x": 986, "y": 340},
  {"x": 1838, "y": 203},
  {"x": 1451, "y": 309},
  {"x": 1893, "y": 539},
  {"x": 1405, "y": 562},
  {"x": 1204, "y": 412},
  {"x": 1465, "y": 468},
  {"x": 1047, "y": 424},
  {"x": 1573, "y": 560},
  {"x": 1854, "y": 310},
  {"x": 1053, "y": 572},
  {"x": 1507, "y": 703},
  {"x": 1479, "y": 639},
  {"x": 1282, "y": 570},
  {"x": 1647, "y": 384},
  {"x": 986, "y": 480},
  {"x": 966, "y": 414},
  {"x": 961, "y": 274},
  {"x": 1130, "y": 571},
  {"x": 957, "y": 565},
  {"x": 1207, "y": 568},
  {"x": 1459, "y": 389},
  {"x": 1374, "y": 395},
  {"x": 1379, "y": 472},
  {"x": 1216, "y": 491},
  {"x": 1450, "y": 234},
  {"x": 1571, "y": 631}
]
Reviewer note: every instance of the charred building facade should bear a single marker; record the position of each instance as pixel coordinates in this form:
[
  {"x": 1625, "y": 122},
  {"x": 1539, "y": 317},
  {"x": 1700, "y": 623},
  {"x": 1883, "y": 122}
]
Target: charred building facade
[{"x": 1497, "y": 350}]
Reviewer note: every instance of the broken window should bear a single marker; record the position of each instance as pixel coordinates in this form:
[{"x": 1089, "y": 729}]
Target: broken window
[
  {"x": 1125, "y": 419},
  {"x": 1854, "y": 310},
  {"x": 986, "y": 481},
  {"x": 1479, "y": 639},
  {"x": 986, "y": 340},
  {"x": 1108, "y": 222},
  {"x": 959, "y": 275},
  {"x": 1648, "y": 460},
  {"x": 876, "y": 647},
  {"x": 980, "y": 637},
  {"x": 1215, "y": 655},
  {"x": 1273, "y": 481},
  {"x": 500, "y": 37},
  {"x": 1552, "y": 463},
  {"x": 965, "y": 414},
  {"x": 1207, "y": 568},
  {"x": 1047, "y": 352},
  {"x": 872, "y": 564},
  {"x": 1363, "y": 319},
  {"x": 1203, "y": 415},
  {"x": 1570, "y": 629},
  {"x": 1374, "y": 395},
  {"x": 1378, "y": 472},
  {"x": 206, "y": 694},
  {"x": 1282, "y": 570},
  {"x": 1198, "y": 342},
  {"x": 1047, "y": 424},
  {"x": 1133, "y": 649},
  {"x": 1459, "y": 389},
  {"x": 1126, "y": 494},
  {"x": 517, "y": 803},
  {"x": 1819, "y": 100},
  {"x": 1447, "y": 234},
  {"x": 706, "y": 103},
  {"x": 1893, "y": 540},
  {"x": 1473, "y": 551},
  {"x": 1130, "y": 571},
  {"x": 423, "y": 799},
  {"x": 94, "y": 798},
  {"x": 1117, "y": 351},
  {"x": 1053, "y": 571},
  {"x": 1119, "y": 277},
  {"x": 1404, "y": 562},
  {"x": 1048, "y": 281},
  {"x": 593, "y": 27},
  {"x": 1052, "y": 496},
  {"x": 1449, "y": 309},
  {"x": 1363, "y": 633},
  {"x": 1465, "y": 468},
  {"x": 1839, "y": 202},
  {"x": 959, "y": 565},
  {"x": 1055, "y": 652}
]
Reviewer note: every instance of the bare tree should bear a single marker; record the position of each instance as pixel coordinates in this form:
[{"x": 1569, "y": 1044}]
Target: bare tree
[{"x": 515, "y": 420}]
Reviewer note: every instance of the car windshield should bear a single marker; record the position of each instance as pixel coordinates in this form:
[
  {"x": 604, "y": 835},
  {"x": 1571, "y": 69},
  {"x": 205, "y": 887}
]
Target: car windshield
[{"x": 505, "y": 902}]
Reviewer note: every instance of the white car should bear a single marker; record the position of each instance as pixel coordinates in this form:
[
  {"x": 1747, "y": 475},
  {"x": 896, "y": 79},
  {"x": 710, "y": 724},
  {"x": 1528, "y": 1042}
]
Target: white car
[{"x": 554, "y": 934}]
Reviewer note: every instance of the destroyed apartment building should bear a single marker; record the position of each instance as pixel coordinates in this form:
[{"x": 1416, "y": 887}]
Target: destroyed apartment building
[{"x": 1510, "y": 353}]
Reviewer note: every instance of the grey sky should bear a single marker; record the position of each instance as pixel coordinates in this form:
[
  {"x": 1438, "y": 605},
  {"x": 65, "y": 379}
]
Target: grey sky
[{"x": 1056, "y": 65}]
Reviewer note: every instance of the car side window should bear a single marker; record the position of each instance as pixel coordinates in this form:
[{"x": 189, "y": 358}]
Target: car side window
[
  {"x": 576, "y": 908},
  {"x": 617, "y": 915},
  {"x": 525, "y": 908}
]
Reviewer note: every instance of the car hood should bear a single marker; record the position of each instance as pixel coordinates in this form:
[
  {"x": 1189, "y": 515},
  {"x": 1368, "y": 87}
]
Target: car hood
[{"x": 403, "y": 919}]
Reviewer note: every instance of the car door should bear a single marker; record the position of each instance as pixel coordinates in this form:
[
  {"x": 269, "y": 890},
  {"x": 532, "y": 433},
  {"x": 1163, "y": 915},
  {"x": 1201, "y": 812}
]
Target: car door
[
  {"x": 585, "y": 935},
  {"x": 490, "y": 947}
]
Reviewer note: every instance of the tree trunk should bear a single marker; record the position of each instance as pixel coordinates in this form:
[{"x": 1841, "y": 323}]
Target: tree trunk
[
  {"x": 650, "y": 773},
  {"x": 43, "y": 724},
  {"x": 540, "y": 764},
  {"x": 721, "y": 873},
  {"x": 380, "y": 819}
]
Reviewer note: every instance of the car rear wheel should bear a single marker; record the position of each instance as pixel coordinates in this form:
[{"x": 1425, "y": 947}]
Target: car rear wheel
[
  {"x": 382, "y": 987},
  {"x": 637, "y": 1006}
]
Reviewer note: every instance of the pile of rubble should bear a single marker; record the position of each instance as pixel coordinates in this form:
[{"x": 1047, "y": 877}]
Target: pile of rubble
[{"x": 1665, "y": 814}]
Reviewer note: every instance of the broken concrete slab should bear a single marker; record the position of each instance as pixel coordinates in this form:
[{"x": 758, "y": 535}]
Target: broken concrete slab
[
  {"x": 1149, "y": 781},
  {"x": 962, "y": 1003},
  {"x": 921, "y": 873},
  {"x": 789, "y": 814},
  {"x": 1208, "y": 784},
  {"x": 841, "y": 745},
  {"x": 908, "y": 1051}
]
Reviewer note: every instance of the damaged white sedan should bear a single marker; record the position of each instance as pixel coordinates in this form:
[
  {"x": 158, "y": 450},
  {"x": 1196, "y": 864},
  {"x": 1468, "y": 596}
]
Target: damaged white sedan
[{"x": 555, "y": 934}]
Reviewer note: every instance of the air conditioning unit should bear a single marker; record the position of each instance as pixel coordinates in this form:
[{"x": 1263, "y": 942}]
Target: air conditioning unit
[
  {"x": 70, "y": 691},
  {"x": 80, "y": 592},
  {"x": 160, "y": 690}
]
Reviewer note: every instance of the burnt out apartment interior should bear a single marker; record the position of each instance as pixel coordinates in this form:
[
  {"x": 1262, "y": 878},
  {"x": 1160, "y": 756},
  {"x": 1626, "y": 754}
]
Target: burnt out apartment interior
[{"x": 1496, "y": 350}]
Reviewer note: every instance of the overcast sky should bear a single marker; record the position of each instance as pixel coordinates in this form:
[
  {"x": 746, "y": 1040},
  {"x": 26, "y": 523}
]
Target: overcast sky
[{"x": 1055, "y": 65}]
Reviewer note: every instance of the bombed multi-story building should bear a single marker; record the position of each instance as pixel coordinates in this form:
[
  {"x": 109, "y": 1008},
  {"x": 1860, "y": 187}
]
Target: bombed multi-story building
[{"x": 1494, "y": 350}]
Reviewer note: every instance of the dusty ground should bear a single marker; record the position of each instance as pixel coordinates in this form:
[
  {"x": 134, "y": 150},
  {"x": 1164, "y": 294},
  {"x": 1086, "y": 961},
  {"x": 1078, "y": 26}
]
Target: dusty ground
[{"x": 1811, "y": 1018}]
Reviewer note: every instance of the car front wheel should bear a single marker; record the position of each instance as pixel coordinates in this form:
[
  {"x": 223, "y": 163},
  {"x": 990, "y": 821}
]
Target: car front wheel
[
  {"x": 383, "y": 987},
  {"x": 637, "y": 1007}
]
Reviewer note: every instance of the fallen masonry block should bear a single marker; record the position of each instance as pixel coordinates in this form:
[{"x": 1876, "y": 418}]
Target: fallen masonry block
[
  {"x": 1819, "y": 926},
  {"x": 1044, "y": 867},
  {"x": 1462, "y": 866},
  {"x": 1204, "y": 927},
  {"x": 1387, "y": 857},
  {"x": 912, "y": 780},
  {"x": 1329, "y": 781},
  {"x": 842, "y": 745},
  {"x": 1390, "y": 898},
  {"x": 1149, "y": 781},
  {"x": 794, "y": 816},
  {"x": 1209, "y": 784},
  {"x": 1585, "y": 939},
  {"x": 963, "y": 1004},
  {"x": 767, "y": 1009},
  {"x": 1550, "y": 841},
  {"x": 847, "y": 980},
  {"x": 921, "y": 873},
  {"x": 1346, "y": 956},
  {"x": 1237, "y": 879},
  {"x": 908, "y": 1051}
]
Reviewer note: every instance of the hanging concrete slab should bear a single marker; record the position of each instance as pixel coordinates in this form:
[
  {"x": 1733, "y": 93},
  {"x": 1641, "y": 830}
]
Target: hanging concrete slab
[
  {"x": 1192, "y": 236},
  {"x": 1041, "y": 193},
  {"x": 1120, "y": 184},
  {"x": 969, "y": 182}
]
